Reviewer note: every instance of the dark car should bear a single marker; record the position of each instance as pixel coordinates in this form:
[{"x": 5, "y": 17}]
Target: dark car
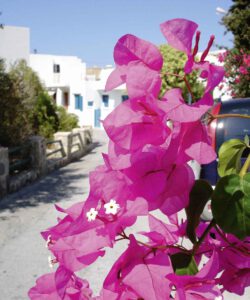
[{"x": 222, "y": 130}]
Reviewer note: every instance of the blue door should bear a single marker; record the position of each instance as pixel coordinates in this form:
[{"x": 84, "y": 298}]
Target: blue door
[{"x": 97, "y": 117}]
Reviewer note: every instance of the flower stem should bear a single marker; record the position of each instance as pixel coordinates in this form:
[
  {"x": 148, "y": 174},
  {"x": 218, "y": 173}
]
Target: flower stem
[
  {"x": 223, "y": 236},
  {"x": 188, "y": 87},
  {"x": 161, "y": 247},
  {"x": 245, "y": 167},
  {"x": 173, "y": 74},
  {"x": 185, "y": 80},
  {"x": 201, "y": 239},
  {"x": 222, "y": 116}
]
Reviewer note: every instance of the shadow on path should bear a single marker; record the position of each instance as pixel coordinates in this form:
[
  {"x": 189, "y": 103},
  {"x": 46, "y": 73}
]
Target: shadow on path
[{"x": 58, "y": 185}]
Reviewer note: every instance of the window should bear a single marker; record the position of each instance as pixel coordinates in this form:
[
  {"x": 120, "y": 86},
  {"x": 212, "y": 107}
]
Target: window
[
  {"x": 90, "y": 103},
  {"x": 78, "y": 102},
  {"x": 56, "y": 68},
  {"x": 124, "y": 98},
  {"x": 105, "y": 100}
]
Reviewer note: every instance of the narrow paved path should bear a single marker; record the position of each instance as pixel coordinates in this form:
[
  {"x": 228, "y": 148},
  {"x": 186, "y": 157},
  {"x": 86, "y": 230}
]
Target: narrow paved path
[{"x": 23, "y": 256}]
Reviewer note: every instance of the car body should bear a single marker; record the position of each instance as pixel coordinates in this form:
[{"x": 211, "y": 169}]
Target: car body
[{"x": 221, "y": 130}]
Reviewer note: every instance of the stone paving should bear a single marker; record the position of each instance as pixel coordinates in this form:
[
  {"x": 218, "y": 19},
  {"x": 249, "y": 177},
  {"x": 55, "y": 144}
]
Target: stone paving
[{"x": 23, "y": 256}]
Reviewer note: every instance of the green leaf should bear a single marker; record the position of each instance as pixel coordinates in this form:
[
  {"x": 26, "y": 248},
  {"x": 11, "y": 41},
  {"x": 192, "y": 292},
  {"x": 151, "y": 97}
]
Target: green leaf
[
  {"x": 199, "y": 196},
  {"x": 184, "y": 264},
  {"x": 231, "y": 204},
  {"x": 229, "y": 157}
]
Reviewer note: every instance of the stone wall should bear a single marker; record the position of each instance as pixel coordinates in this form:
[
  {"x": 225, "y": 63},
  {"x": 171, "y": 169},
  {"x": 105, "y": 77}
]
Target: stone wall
[
  {"x": 69, "y": 146},
  {"x": 4, "y": 171}
]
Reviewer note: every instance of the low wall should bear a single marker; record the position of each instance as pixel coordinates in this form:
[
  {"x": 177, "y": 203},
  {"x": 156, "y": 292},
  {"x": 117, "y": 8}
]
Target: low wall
[{"x": 45, "y": 157}]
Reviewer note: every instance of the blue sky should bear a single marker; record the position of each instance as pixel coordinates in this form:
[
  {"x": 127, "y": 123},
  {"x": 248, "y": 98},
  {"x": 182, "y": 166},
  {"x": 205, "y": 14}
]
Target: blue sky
[{"x": 90, "y": 28}]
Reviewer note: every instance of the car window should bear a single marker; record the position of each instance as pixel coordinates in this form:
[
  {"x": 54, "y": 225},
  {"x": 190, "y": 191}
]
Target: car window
[{"x": 233, "y": 128}]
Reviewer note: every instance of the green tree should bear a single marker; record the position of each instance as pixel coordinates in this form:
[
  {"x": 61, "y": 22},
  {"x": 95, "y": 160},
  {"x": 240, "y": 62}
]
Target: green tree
[
  {"x": 237, "y": 60},
  {"x": 26, "y": 83},
  {"x": 67, "y": 121},
  {"x": 46, "y": 121},
  {"x": 173, "y": 65},
  {"x": 26, "y": 108},
  {"x": 237, "y": 21},
  {"x": 16, "y": 107}
]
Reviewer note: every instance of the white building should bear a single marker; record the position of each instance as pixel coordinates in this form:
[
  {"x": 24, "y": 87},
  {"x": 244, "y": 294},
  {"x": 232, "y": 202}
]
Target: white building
[
  {"x": 100, "y": 103},
  {"x": 81, "y": 91},
  {"x": 64, "y": 78},
  {"x": 14, "y": 44}
]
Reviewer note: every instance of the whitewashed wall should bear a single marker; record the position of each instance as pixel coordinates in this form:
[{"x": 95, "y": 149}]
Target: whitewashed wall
[
  {"x": 14, "y": 44},
  {"x": 71, "y": 78},
  {"x": 95, "y": 89}
]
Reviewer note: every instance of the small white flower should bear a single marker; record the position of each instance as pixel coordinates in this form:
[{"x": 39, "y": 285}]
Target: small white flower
[
  {"x": 91, "y": 215},
  {"x": 218, "y": 298},
  {"x": 48, "y": 242},
  {"x": 51, "y": 261},
  {"x": 170, "y": 124},
  {"x": 111, "y": 207}
]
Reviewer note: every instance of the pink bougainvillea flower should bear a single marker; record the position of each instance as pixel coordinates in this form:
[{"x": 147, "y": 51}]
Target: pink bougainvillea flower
[
  {"x": 237, "y": 257},
  {"x": 177, "y": 110},
  {"x": 81, "y": 248},
  {"x": 179, "y": 34},
  {"x": 118, "y": 158},
  {"x": 146, "y": 168},
  {"x": 140, "y": 272},
  {"x": 144, "y": 158},
  {"x": 59, "y": 230},
  {"x": 138, "y": 163},
  {"x": 152, "y": 173},
  {"x": 131, "y": 48},
  {"x": 236, "y": 264},
  {"x": 65, "y": 238},
  {"x": 107, "y": 184},
  {"x": 176, "y": 196},
  {"x": 212, "y": 73},
  {"x": 161, "y": 233},
  {"x": 199, "y": 286},
  {"x": 243, "y": 70},
  {"x": 148, "y": 84},
  {"x": 60, "y": 285},
  {"x": 76, "y": 251},
  {"x": 77, "y": 243},
  {"x": 132, "y": 56},
  {"x": 235, "y": 280},
  {"x": 128, "y": 217},
  {"x": 196, "y": 143},
  {"x": 191, "y": 141},
  {"x": 188, "y": 140},
  {"x": 123, "y": 295},
  {"x": 135, "y": 123}
]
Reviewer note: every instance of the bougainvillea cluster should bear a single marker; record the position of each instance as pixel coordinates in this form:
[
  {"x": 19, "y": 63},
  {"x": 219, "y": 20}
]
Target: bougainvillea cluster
[
  {"x": 146, "y": 168},
  {"x": 237, "y": 75}
]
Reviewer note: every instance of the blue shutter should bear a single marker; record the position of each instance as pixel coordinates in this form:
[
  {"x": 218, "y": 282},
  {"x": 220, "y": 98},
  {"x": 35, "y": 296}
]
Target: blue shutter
[
  {"x": 97, "y": 117},
  {"x": 81, "y": 103},
  {"x": 78, "y": 102}
]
